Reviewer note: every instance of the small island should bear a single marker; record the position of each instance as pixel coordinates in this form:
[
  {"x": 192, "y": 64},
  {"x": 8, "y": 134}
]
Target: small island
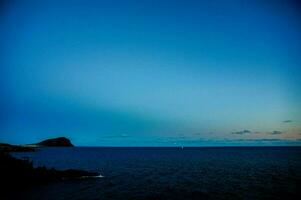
[
  {"x": 55, "y": 142},
  {"x": 18, "y": 173}
]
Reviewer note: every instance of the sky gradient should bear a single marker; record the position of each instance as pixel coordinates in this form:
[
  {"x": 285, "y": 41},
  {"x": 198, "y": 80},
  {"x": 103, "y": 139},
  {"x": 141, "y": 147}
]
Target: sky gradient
[{"x": 151, "y": 73}]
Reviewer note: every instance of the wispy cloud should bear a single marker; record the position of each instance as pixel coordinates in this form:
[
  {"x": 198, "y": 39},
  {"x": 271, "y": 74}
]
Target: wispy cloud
[
  {"x": 287, "y": 121},
  {"x": 275, "y": 132},
  {"x": 242, "y": 132}
]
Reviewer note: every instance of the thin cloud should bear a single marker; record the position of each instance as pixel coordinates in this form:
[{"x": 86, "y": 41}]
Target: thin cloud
[
  {"x": 287, "y": 121},
  {"x": 242, "y": 132},
  {"x": 275, "y": 132}
]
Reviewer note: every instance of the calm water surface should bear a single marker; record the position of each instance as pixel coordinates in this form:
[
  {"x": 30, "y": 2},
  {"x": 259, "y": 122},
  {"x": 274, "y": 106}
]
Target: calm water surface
[{"x": 172, "y": 173}]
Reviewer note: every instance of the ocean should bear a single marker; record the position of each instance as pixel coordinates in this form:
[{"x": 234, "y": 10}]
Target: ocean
[{"x": 171, "y": 173}]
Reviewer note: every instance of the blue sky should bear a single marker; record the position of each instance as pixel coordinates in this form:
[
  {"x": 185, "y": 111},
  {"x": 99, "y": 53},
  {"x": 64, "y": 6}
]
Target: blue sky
[{"x": 154, "y": 73}]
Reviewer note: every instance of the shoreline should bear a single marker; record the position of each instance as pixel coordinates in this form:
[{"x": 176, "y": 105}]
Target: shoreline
[{"x": 19, "y": 174}]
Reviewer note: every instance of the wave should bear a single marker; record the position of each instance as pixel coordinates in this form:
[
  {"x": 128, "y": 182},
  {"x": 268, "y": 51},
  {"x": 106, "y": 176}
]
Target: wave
[{"x": 98, "y": 176}]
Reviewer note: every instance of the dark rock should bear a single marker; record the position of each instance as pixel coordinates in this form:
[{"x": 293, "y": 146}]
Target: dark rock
[{"x": 18, "y": 173}]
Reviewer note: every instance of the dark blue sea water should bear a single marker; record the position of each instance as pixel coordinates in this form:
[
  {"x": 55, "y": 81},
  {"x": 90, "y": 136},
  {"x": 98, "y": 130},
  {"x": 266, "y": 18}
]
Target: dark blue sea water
[{"x": 172, "y": 173}]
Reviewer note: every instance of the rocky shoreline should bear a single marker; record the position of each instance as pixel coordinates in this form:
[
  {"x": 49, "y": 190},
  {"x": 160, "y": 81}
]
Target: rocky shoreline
[{"x": 18, "y": 173}]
